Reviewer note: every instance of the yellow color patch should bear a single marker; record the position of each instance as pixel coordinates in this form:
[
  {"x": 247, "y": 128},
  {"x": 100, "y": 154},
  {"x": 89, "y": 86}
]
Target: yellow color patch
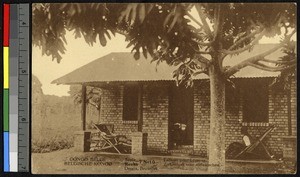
[{"x": 6, "y": 67}]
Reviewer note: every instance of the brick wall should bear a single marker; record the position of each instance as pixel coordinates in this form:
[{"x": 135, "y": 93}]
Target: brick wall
[
  {"x": 290, "y": 147},
  {"x": 112, "y": 109},
  {"x": 155, "y": 116},
  {"x": 277, "y": 116},
  {"x": 294, "y": 106},
  {"x": 201, "y": 117},
  {"x": 233, "y": 116}
]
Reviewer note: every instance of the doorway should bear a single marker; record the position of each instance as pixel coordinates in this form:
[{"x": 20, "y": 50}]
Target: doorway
[{"x": 181, "y": 116}]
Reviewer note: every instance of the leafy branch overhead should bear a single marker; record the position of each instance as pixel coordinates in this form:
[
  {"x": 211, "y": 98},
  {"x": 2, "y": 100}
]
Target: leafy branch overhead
[
  {"x": 172, "y": 32},
  {"x": 93, "y": 96}
]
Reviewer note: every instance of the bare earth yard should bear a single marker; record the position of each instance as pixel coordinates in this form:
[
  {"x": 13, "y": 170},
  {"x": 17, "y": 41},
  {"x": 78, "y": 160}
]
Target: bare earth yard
[{"x": 68, "y": 161}]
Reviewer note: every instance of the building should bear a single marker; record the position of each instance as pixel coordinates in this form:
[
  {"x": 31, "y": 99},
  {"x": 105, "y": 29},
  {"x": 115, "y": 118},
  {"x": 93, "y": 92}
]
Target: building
[{"x": 140, "y": 96}]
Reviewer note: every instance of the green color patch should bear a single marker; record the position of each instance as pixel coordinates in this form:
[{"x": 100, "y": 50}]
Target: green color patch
[{"x": 6, "y": 110}]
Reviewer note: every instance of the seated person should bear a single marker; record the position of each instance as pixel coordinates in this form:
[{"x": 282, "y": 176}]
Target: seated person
[
  {"x": 246, "y": 136},
  {"x": 258, "y": 152},
  {"x": 178, "y": 134}
]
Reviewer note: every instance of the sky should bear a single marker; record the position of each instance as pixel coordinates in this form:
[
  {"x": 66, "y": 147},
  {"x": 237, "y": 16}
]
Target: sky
[{"x": 78, "y": 54}]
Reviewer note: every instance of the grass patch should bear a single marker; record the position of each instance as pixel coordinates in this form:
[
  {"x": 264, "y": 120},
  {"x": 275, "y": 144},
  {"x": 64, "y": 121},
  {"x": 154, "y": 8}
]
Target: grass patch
[{"x": 52, "y": 143}]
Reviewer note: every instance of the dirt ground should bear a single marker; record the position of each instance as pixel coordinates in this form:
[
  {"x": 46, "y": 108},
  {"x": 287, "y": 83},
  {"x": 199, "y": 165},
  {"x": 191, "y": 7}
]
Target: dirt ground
[{"x": 68, "y": 161}]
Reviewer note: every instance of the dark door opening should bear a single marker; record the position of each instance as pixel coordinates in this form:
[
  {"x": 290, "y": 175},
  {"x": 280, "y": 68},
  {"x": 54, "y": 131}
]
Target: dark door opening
[{"x": 181, "y": 116}]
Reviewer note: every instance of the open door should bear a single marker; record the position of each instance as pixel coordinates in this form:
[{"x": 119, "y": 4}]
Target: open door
[{"x": 181, "y": 116}]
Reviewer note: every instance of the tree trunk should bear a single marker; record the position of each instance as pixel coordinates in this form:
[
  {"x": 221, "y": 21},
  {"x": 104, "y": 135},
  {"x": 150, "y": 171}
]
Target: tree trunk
[{"x": 217, "y": 121}]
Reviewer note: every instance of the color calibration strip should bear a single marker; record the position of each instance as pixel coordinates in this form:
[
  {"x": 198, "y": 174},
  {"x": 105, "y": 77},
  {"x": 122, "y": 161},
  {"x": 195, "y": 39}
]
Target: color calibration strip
[
  {"x": 16, "y": 87},
  {"x": 13, "y": 87},
  {"x": 6, "y": 13}
]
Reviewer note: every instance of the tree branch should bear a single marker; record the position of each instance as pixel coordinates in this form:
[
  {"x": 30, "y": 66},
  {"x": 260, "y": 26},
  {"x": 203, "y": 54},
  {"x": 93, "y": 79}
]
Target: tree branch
[
  {"x": 202, "y": 43},
  {"x": 200, "y": 72},
  {"x": 197, "y": 51},
  {"x": 245, "y": 38},
  {"x": 277, "y": 62},
  {"x": 217, "y": 22},
  {"x": 202, "y": 59},
  {"x": 268, "y": 68},
  {"x": 188, "y": 65},
  {"x": 201, "y": 62},
  {"x": 217, "y": 44},
  {"x": 203, "y": 19},
  {"x": 237, "y": 51},
  {"x": 256, "y": 58},
  {"x": 203, "y": 52}
]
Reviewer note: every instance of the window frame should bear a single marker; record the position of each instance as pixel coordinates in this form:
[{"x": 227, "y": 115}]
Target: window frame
[
  {"x": 130, "y": 114},
  {"x": 252, "y": 112}
]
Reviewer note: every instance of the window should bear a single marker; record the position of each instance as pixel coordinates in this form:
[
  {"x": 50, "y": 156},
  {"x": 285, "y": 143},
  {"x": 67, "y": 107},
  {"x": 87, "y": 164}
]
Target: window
[
  {"x": 255, "y": 102},
  {"x": 130, "y": 102}
]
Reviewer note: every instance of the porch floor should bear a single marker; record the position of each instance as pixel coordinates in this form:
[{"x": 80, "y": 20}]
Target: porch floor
[{"x": 68, "y": 161}]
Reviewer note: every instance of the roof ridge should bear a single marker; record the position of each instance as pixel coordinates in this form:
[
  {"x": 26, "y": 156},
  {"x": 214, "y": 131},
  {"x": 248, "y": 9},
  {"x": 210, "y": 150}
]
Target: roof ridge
[{"x": 121, "y": 66}]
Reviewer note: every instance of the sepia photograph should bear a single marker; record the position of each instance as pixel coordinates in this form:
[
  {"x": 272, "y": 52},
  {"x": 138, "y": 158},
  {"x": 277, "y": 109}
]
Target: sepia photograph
[{"x": 164, "y": 88}]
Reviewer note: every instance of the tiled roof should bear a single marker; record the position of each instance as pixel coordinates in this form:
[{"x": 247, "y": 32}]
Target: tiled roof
[{"x": 121, "y": 66}]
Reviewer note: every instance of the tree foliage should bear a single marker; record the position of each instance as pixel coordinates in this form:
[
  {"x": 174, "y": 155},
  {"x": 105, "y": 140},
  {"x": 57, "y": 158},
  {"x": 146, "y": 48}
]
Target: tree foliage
[
  {"x": 164, "y": 31},
  {"x": 284, "y": 79},
  {"x": 93, "y": 95}
]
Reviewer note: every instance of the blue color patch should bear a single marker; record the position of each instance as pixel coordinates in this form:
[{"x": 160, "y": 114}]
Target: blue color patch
[{"x": 6, "y": 151}]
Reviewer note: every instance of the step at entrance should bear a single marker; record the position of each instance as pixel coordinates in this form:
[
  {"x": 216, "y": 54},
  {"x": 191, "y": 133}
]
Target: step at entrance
[{"x": 183, "y": 150}]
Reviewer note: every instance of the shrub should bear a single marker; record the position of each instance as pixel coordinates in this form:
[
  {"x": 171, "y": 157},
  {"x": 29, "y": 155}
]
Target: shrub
[{"x": 52, "y": 143}]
